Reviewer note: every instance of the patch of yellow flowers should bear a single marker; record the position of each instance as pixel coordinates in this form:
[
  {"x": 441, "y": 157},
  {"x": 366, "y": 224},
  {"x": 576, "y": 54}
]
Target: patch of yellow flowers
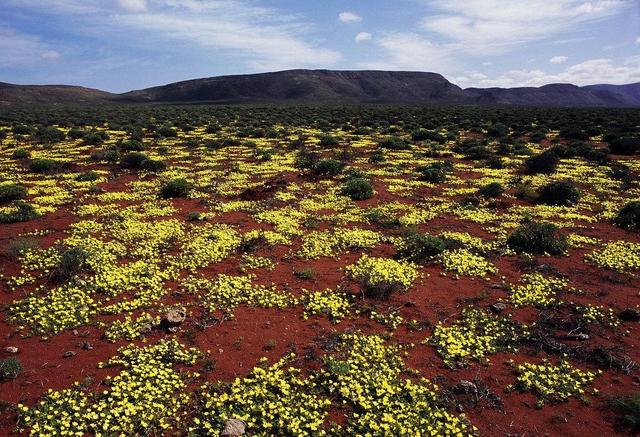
[
  {"x": 553, "y": 383},
  {"x": 621, "y": 256},
  {"x": 464, "y": 262},
  {"x": 333, "y": 304},
  {"x": 383, "y": 276},
  {"x": 537, "y": 290}
]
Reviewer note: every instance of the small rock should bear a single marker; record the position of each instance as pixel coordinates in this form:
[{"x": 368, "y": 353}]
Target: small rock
[
  {"x": 87, "y": 346},
  {"x": 11, "y": 349},
  {"x": 497, "y": 307},
  {"x": 465, "y": 387},
  {"x": 69, "y": 354},
  {"x": 459, "y": 408},
  {"x": 174, "y": 316},
  {"x": 74, "y": 332},
  {"x": 630, "y": 315},
  {"x": 578, "y": 337},
  {"x": 233, "y": 428}
]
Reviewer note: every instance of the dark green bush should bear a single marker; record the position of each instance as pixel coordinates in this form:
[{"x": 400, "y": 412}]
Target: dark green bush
[
  {"x": 95, "y": 137},
  {"x": 498, "y": 130},
  {"x": 328, "y": 167},
  {"x": 538, "y": 238},
  {"x": 21, "y": 154},
  {"x": 49, "y": 135},
  {"x": 88, "y": 176},
  {"x": 545, "y": 162},
  {"x": 17, "y": 247},
  {"x": 21, "y": 129},
  {"x": 23, "y": 213},
  {"x": 178, "y": 187},
  {"x": 424, "y": 134},
  {"x": 377, "y": 156},
  {"x": 436, "y": 172},
  {"x": 421, "y": 247},
  {"x": 628, "y": 410},
  {"x": 629, "y": 216},
  {"x": 133, "y": 160},
  {"x": 131, "y": 146},
  {"x": 43, "y": 165},
  {"x": 167, "y": 132},
  {"x": 71, "y": 262},
  {"x": 559, "y": 193},
  {"x": 328, "y": 140},
  {"x": 357, "y": 189},
  {"x": 625, "y": 145},
  {"x": 394, "y": 143},
  {"x": 493, "y": 189},
  {"x": 10, "y": 368},
  {"x": 153, "y": 165},
  {"x": 10, "y": 192}
]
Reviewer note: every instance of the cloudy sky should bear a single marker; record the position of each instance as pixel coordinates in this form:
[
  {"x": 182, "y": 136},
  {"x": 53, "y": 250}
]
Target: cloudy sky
[{"x": 118, "y": 45}]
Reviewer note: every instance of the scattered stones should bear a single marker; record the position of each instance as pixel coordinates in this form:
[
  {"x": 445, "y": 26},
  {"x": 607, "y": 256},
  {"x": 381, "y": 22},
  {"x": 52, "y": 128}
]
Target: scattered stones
[
  {"x": 578, "y": 337},
  {"x": 11, "y": 349},
  {"x": 233, "y": 428},
  {"x": 630, "y": 315},
  {"x": 68, "y": 354},
  {"x": 87, "y": 346},
  {"x": 465, "y": 387},
  {"x": 174, "y": 317},
  {"x": 497, "y": 307}
]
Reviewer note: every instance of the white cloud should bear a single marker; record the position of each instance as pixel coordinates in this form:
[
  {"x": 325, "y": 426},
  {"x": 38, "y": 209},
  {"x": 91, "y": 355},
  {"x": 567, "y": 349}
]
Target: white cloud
[
  {"x": 363, "y": 36},
  {"x": 262, "y": 38},
  {"x": 349, "y": 17},
  {"x": 496, "y": 26},
  {"x": 19, "y": 48},
  {"x": 638, "y": 40},
  {"x": 410, "y": 51},
  {"x": 50, "y": 55},
  {"x": 558, "y": 60},
  {"x": 133, "y": 5},
  {"x": 594, "y": 71}
]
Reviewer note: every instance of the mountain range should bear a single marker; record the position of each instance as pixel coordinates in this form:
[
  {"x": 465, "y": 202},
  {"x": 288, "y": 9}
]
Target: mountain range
[{"x": 330, "y": 86}]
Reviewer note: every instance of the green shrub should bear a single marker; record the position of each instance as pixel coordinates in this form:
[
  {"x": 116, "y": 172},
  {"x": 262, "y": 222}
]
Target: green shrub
[
  {"x": 493, "y": 189},
  {"x": 328, "y": 140},
  {"x": 131, "y": 146},
  {"x": 133, "y": 160},
  {"x": 357, "y": 189},
  {"x": 629, "y": 216},
  {"x": 21, "y": 154},
  {"x": 628, "y": 410},
  {"x": 95, "y": 137},
  {"x": 43, "y": 165},
  {"x": 88, "y": 176},
  {"x": 424, "y": 134},
  {"x": 49, "y": 135},
  {"x": 421, "y": 247},
  {"x": 394, "y": 143},
  {"x": 545, "y": 163},
  {"x": 10, "y": 368},
  {"x": 153, "y": 165},
  {"x": 436, "y": 172},
  {"x": 11, "y": 192},
  {"x": 377, "y": 156},
  {"x": 625, "y": 145},
  {"x": 167, "y": 132},
  {"x": 498, "y": 130},
  {"x": 23, "y": 212},
  {"x": 559, "y": 193},
  {"x": 328, "y": 167},
  {"x": 178, "y": 187},
  {"x": 538, "y": 238},
  {"x": 71, "y": 262},
  {"x": 19, "y": 246}
]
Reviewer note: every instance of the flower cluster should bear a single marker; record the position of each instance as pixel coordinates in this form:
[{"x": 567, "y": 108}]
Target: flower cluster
[
  {"x": 383, "y": 276},
  {"x": 553, "y": 383},
  {"x": 621, "y": 256},
  {"x": 333, "y": 304},
  {"x": 331, "y": 243},
  {"x": 466, "y": 263},
  {"x": 537, "y": 290},
  {"x": 476, "y": 335}
]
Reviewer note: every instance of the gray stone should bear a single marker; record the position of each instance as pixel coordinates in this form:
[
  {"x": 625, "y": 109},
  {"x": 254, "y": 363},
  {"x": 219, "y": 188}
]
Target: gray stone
[{"x": 233, "y": 428}]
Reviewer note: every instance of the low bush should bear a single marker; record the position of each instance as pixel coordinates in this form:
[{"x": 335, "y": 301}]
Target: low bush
[
  {"x": 393, "y": 143},
  {"x": 493, "y": 189},
  {"x": 422, "y": 247},
  {"x": 559, "y": 193},
  {"x": 133, "y": 160},
  {"x": 71, "y": 262},
  {"x": 10, "y": 368},
  {"x": 153, "y": 165},
  {"x": 178, "y": 187},
  {"x": 629, "y": 216},
  {"x": 436, "y": 172},
  {"x": 22, "y": 212},
  {"x": 357, "y": 189},
  {"x": 328, "y": 167},
  {"x": 43, "y": 165},
  {"x": 10, "y": 192},
  {"x": 88, "y": 176},
  {"x": 625, "y": 145},
  {"x": 545, "y": 163},
  {"x": 538, "y": 238},
  {"x": 21, "y": 154},
  {"x": 628, "y": 410}
]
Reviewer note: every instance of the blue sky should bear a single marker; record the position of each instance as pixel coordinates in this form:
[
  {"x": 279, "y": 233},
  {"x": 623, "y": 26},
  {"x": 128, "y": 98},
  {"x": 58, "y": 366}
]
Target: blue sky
[{"x": 119, "y": 45}]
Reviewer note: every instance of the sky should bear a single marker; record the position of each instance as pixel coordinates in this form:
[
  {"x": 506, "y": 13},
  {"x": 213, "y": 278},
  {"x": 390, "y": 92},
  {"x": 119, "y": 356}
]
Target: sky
[{"x": 120, "y": 45}]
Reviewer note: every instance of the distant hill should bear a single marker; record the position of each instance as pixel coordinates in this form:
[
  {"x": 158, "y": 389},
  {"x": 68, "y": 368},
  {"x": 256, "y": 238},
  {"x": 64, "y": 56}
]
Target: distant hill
[
  {"x": 47, "y": 94},
  {"x": 329, "y": 86}
]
